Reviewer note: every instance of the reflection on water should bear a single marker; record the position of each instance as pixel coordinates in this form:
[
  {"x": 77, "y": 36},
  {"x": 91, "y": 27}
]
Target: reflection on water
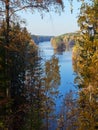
[
  {"x": 65, "y": 63},
  {"x": 66, "y": 71}
]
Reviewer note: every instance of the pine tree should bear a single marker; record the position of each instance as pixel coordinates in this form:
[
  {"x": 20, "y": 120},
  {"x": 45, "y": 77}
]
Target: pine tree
[{"x": 87, "y": 65}]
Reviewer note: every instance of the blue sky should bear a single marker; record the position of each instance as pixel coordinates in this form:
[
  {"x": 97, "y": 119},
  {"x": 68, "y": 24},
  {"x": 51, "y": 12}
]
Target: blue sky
[{"x": 52, "y": 23}]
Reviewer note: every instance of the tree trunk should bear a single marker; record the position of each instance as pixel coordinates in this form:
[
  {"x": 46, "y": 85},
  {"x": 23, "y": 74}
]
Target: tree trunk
[
  {"x": 7, "y": 62},
  {"x": 7, "y": 22}
]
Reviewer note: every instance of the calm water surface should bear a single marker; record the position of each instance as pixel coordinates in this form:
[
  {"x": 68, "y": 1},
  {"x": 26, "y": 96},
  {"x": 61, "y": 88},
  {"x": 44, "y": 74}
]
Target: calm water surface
[{"x": 66, "y": 70}]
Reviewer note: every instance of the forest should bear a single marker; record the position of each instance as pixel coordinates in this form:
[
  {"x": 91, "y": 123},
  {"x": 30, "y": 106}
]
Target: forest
[
  {"x": 38, "y": 38},
  {"x": 65, "y": 41},
  {"x": 28, "y": 88}
]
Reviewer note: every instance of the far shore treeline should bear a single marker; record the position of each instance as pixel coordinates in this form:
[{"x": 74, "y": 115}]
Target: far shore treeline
[
  {"x": 40, "y": 38},
  {"x": 65, "y": 41},
  {"x": 60, "y": 42},
  {"x": 57, "y": 40}
]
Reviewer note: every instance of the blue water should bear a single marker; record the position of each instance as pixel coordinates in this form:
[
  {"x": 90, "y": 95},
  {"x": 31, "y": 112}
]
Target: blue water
[{"x": 66, "y": 71}]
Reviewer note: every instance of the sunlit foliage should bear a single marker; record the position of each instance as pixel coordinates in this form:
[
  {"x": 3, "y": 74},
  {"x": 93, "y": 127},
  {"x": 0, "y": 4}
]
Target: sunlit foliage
[
  {"x": 85, "y": 60},
  {"x": 17, "y": 57}
]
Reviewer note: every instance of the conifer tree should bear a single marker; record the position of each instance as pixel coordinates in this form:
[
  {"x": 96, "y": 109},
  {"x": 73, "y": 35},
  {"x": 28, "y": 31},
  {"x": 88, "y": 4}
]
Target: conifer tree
[
  {"x": 87, "y": 65},
  {"x": 51, "y": 82},
  {"x": 13, "y": 47}
]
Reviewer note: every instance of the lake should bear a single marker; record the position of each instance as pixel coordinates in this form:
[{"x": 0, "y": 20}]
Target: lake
[{"x": 66, "y": 71}]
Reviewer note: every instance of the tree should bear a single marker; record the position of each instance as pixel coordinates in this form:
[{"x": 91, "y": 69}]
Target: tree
[
  {"x": 34, "y": 89},
  {"x": 51, "y": 81},
  {"x": 87, "y": 64},
  {"x": 10, "y": 7},
  {"x": 11, "y": 108},
  {"x": 88, "y": 45},
  {"x": 41, "y": 89},
  {"x": 9, "y": 44},
  {"x": 69, "y": 112}
]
